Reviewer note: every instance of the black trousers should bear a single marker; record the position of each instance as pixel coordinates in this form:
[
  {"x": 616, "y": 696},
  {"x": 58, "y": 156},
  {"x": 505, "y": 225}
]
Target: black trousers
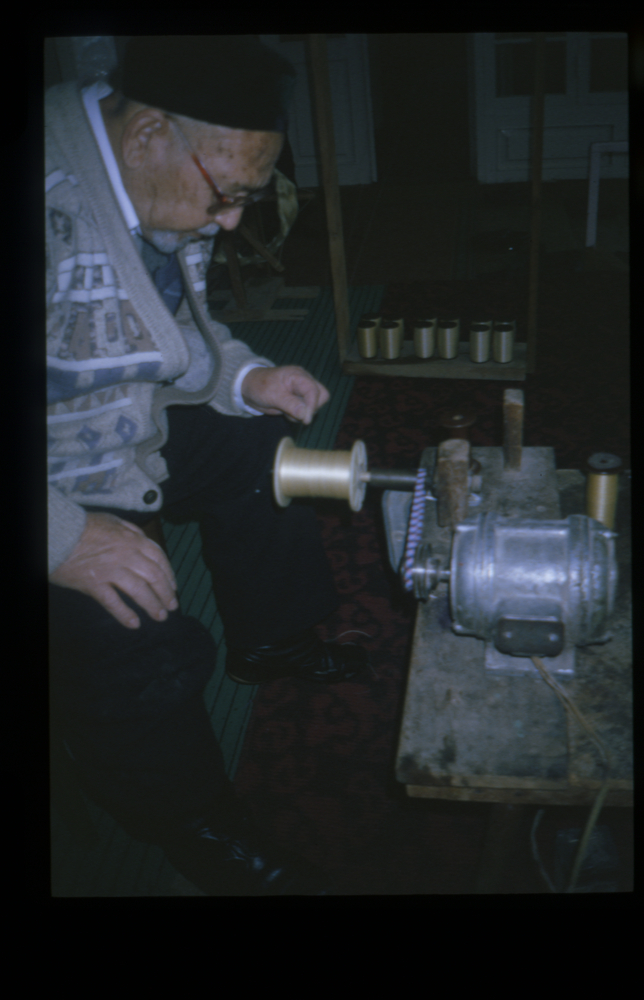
[{"x": 129, "y": 703}]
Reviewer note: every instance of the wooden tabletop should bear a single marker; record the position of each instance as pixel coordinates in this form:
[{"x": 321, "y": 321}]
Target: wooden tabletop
[{"x": 469, "y": 735}]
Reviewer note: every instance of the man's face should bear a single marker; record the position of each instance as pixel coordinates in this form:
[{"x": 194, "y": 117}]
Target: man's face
[{"x": 172, "y": 198}]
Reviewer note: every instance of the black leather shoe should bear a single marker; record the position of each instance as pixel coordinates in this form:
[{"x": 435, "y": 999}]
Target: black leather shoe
[
  {"x": 303, "y": 656},
  {"x": 226, "y": 855}
]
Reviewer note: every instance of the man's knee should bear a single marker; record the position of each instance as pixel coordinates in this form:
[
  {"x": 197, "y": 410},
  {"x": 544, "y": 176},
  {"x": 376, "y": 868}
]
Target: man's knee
[{"x": 99, "y": 665}]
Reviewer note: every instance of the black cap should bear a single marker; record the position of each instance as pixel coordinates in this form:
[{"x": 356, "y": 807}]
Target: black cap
[{"x": 230, "y": 80}]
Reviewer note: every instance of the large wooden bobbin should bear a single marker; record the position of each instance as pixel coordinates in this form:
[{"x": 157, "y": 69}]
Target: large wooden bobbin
[
  {"x": 304, "y": 472},
  {"x": 457, "y": 422}
]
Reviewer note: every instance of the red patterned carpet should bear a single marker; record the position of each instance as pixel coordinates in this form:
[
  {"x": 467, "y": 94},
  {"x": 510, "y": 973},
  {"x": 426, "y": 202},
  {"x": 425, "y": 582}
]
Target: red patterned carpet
[{"x": 318, "y": 765}]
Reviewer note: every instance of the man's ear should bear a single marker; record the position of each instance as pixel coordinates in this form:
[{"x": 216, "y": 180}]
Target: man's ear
[{"x": 145, "y": 127}]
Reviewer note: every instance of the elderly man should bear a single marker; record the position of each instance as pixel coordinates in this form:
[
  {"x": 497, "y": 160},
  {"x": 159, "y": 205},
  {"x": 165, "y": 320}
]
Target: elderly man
[{"x": 154, "y": 406}]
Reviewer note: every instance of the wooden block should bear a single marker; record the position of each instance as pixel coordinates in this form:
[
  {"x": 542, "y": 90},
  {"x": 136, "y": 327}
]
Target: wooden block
[
  {"x": 451, "y": 481},
  {"x": 512, "y": 428}
]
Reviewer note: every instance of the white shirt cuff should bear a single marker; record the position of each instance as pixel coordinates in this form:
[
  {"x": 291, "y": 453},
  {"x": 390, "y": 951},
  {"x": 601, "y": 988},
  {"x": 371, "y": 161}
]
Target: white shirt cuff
[{"x": 237, "y": 396}]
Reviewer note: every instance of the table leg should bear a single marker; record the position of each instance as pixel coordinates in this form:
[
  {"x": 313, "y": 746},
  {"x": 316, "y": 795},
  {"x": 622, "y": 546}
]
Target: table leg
[{"x": 503, "y": 825}]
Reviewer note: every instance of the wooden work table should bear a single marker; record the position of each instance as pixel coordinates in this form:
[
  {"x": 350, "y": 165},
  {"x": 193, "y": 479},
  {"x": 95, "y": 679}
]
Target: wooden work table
[{"x": 468, "y": 735}]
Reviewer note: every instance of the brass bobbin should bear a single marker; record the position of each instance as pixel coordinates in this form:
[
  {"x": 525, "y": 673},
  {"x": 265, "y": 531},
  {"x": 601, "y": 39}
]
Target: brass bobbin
[
  {"x": 304, "y": 472},
  {"x": 602, "y": 486},
  {"x": 479, "y": 342},
  {"x": 390, "y": 339},
  {"x": 400, "y": 323},
  {"x": 503, "y": 342},
  {"x": 425, "y": 340},
  {"x": 448, "y": 336},
  {"x": 367, "y": 339}
]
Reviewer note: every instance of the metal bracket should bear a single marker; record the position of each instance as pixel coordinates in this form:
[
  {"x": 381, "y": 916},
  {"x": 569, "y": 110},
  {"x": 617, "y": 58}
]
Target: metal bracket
[{"x": 512, "y": 666}]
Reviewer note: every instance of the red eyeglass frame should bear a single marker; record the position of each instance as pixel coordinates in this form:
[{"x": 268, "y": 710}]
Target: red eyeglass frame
[{"x": 225, "y": 201}]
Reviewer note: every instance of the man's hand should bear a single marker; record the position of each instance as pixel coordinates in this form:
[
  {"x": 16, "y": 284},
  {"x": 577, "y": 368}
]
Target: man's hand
[
  {"x": 112, "y": 552},
  {"x": 288, "y": 390}
]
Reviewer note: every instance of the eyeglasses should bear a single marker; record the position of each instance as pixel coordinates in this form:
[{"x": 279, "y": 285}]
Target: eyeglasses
[{"x": 224, "y": 200}]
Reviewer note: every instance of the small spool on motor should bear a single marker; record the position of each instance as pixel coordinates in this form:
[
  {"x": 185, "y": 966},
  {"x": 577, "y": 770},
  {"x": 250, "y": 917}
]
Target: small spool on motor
[
  {"x": 602, "y": 486},
  {"x": 448, "y": 335},
  {"x": 390, "y": 339},
  {"x": 503, "y": 342},
  {"x": 424, "y": 337},
  {"x": 479, "y": 342},
  {"x": 367, "y": 339},
  {"x": 304, "y": 472}
]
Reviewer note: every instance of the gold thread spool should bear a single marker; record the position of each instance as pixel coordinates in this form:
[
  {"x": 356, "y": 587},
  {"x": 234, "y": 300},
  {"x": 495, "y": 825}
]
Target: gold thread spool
[
  {"x": 424, "y": 337},
  {"x": 448, "y": 338},
  {"x": 400, "y": 323},
  {"x": 367, "y": 339},
  {"x": 480, "y": 342},
  {"x": 503, "y": 342},
  {"x": 390, "y": 339},
  {"x": 304, "y": 472},
  {"x": 602, "y": 487}
]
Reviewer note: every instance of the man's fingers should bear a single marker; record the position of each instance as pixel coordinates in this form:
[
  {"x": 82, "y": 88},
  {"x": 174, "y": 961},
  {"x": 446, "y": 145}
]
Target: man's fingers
[
  {"x": 152, "y": 597},
  {"x": 289, "y": 390},
  {"x": 111, "y": 601},
  {"x": 147, "y": 582},
  {"x": 310, "y": 394},
  {"x": 155, "y": 553},
  {"x": 113, "y": 556}
]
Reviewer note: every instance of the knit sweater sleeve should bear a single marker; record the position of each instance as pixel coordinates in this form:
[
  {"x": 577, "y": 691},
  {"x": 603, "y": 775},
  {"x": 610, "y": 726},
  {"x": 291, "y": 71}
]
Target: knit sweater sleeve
[
  {"x": 194, "y": 321},
  {"x": 66, "y": 525}
]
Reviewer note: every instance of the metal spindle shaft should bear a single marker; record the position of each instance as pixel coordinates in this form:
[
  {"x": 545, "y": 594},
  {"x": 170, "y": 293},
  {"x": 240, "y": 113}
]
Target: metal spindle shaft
[{"x": 392, "y": 479}]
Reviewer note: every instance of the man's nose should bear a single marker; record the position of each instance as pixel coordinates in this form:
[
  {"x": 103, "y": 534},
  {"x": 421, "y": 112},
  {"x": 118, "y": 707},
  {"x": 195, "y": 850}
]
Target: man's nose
[{"x": 229, "y": 218}]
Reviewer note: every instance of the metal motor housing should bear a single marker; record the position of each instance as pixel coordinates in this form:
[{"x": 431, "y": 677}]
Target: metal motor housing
[{"x": 532, "y": 587}]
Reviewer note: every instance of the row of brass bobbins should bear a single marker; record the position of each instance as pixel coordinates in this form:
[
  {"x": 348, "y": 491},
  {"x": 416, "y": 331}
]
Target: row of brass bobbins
[{"x": 431, "y": 335}]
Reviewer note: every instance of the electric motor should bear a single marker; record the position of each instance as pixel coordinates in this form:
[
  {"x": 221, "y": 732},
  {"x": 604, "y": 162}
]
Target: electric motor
[{"x": 532, "y": 587}]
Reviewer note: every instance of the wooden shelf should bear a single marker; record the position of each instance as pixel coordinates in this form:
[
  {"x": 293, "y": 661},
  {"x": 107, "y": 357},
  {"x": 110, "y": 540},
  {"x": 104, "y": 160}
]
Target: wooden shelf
[{"x": 459, "y": 367}]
